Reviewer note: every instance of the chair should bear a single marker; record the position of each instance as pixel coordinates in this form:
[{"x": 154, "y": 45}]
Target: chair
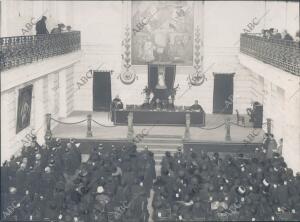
[{"x": 239, "y": 118}]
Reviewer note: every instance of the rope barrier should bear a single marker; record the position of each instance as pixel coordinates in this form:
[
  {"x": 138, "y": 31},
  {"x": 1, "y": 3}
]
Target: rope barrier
[
  {"x": 213, "y": 127},
  {"x": 68, "y": 123},
  {"x": 245, "y": 126},
  {"x": 233, "y": 123},
  {"x": 102, "y": 124}
]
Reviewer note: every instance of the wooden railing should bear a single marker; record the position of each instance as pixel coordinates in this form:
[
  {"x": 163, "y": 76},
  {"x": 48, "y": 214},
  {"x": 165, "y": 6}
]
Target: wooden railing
[
  {"x": 282, "y": 54},
  {"x": 20, "y": 50}
]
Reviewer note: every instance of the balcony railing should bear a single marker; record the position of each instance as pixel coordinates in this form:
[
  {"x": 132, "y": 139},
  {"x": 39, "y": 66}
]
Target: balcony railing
[
  {"x": 282, "y": 54},
  {"x": 20, "y": 50}
]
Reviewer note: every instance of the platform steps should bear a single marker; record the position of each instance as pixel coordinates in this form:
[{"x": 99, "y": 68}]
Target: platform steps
[{"x": 159, "y": 145}]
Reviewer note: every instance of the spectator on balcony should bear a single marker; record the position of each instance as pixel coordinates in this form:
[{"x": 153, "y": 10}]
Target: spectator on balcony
[
  {"x": 59, "y": 29},
  {"x": 297, "y": 39},
  {"x": 276, "y": 34},
  {"x": 286, "y": 36},
  {"x": 264, "y": 33},
  {"x": 69, "y": 28},
  {"x": 41, "y": 28}
]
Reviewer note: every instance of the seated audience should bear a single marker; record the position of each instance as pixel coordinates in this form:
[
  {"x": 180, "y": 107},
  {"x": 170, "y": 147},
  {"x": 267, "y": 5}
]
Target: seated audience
[
  {"x": 203, "y": 187},
  {"x": 196, "y": 106},
  {"x": 113, "y": 185},
  {"x": 58, "y": 29},
  {"x": 40, "y": 27}
]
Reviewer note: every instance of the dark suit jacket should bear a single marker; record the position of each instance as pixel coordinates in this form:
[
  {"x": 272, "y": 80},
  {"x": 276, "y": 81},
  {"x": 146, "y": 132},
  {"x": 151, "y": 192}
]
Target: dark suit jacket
[{"x": 41, "y": 28}]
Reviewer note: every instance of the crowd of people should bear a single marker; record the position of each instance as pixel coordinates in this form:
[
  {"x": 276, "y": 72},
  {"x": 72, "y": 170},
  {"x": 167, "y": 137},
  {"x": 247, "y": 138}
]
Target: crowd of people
[
  {"x": 273, "y": 33},
  {"x": 52, "y": 183},
  {"x": 196, "y": 186},
  {"x": 41, "y": 27}
]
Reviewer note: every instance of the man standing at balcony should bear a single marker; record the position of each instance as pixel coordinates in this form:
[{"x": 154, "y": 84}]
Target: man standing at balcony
[
  {"x": 286, "y": 36},
  {"x": 41, "y": 28}
]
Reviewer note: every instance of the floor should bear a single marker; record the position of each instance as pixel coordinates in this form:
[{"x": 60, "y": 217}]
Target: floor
[{"x": 211, "y": 131}]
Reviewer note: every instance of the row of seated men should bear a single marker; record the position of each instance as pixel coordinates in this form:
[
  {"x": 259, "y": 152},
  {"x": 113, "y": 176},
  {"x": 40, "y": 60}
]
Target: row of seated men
[
  {"x": 201, "y": 187},
  {"x": 52, "y": 183},
  {"x": 155, "y": 104}
]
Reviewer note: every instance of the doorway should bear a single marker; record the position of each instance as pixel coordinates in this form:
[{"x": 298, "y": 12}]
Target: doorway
[
  {"x": 223, "y": 93},
  {"x": 101, "y": 91}
]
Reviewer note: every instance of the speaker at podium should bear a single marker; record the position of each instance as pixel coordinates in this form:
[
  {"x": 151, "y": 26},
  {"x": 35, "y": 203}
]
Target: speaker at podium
[{"x": 256, "y": 115}]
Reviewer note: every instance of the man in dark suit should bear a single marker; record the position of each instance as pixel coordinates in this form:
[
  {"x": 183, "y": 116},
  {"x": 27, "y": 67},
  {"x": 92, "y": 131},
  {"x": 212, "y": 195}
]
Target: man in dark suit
[
  {"x": 40, "y": 26},
  {"x": 287, "y": 36},
  {"x": 117, "y": 103},
  {"x": 196, "y": 106}
]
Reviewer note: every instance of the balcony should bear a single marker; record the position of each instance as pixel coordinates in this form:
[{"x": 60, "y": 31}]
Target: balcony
[
  {"x": 20, "y": 50},
  {"x": 282, "y": 54}
]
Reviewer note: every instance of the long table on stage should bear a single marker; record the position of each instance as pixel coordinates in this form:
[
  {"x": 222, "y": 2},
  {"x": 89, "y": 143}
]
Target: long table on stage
[{"x": 158, "y": 117}]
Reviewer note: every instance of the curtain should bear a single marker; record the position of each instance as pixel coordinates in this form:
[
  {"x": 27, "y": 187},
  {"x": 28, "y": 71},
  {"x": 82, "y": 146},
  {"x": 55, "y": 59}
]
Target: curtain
[
  {"x": 170, "y": 76},
  {"x": 152, "y": 76}
]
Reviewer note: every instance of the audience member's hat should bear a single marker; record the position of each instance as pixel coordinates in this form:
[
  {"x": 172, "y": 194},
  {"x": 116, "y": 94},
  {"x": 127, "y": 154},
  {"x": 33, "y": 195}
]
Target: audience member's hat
[
  {"x": 265, "y": 182},
  {"x": 23, "y": 165},
  {"x": 241, "y": 190},
  {"x": 12, "y": 190},
  {"x": 47, "y": 169},
  {"x": 100, "y": 189},
  {"x": 52, "y": 162}
]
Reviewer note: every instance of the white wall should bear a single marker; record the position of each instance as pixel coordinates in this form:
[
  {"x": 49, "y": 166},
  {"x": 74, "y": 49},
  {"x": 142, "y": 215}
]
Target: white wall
[
  {"x": 279, "y": 92},
  {"x": 15, "y": 14},
  {"x": 53, "y": 87}
]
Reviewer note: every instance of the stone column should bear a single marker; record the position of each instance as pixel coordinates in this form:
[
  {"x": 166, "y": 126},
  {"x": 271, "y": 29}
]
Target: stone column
[
  {"x": 227, "y": 128},
  {"x": 89, "y": 126},
  {"x": 187, "y": 134},
  {"x": 48, "y": 125},
  {"x": 130, "y": 131}
]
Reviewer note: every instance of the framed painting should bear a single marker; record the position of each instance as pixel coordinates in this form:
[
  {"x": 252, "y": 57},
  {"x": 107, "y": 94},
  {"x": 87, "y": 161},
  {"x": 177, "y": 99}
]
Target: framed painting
[
  {"x": 162, "y": 32},
  {"x": 24, "y": 108}
]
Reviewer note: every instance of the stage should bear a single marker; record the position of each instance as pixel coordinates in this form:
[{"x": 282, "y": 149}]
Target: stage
[{"x": 209, "y": 138}]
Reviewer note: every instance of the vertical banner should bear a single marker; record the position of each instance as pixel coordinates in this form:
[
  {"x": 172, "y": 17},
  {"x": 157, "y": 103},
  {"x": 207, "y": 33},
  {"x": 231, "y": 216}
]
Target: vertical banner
[{"x": 24, "y": 108}]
